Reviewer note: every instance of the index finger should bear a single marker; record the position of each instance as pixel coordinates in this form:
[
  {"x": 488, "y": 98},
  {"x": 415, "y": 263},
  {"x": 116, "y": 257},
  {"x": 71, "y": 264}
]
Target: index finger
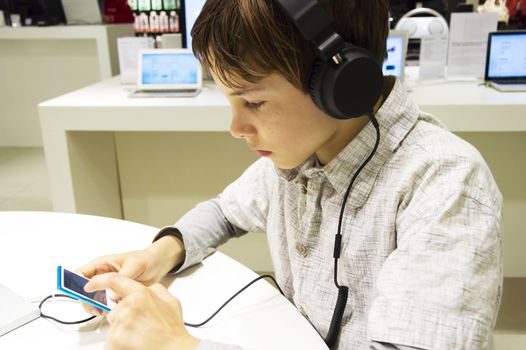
[
  {"x": 98, "y": 266},
  {"x": 120, "y": 284}
]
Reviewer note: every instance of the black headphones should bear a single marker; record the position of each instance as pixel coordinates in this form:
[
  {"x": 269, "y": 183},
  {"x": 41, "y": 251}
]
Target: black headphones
[{"x": 346, "y": 81}]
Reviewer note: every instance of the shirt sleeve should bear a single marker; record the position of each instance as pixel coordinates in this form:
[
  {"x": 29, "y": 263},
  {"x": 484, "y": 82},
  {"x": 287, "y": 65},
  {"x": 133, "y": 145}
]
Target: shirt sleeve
[
  {"x": 202, "y": 229},
  {"x": 441, "y": 287}
]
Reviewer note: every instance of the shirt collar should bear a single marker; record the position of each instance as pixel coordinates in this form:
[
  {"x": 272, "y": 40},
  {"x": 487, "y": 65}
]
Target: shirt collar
[{"x": 396, "y": 117}]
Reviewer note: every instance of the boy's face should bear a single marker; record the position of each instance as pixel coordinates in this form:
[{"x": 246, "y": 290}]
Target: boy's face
[{"x": 282, "y": 123}]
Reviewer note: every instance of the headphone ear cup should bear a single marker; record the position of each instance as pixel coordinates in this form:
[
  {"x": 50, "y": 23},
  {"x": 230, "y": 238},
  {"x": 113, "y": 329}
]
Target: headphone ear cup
[
  {"x": 349, "y": 89},
  {"x": 314, "y": 82}
]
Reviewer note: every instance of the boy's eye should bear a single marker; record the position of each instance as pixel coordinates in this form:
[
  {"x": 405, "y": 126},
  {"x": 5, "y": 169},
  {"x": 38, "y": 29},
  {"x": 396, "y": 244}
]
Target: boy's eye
[{"x": 254, "y": 105}]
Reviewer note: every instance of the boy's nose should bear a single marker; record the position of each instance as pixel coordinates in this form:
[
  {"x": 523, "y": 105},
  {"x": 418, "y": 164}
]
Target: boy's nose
[{"x": 240, "y": 128}]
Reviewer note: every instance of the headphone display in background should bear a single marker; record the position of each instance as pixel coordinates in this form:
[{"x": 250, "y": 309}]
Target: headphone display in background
[
  {"x": 346, "y": 81},
  {"x": 417, "y": 27},
  {"x": 433, "y": 23}
]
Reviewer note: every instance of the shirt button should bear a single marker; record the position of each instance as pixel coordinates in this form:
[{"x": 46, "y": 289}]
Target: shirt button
[{"x": 302, "y": 250}]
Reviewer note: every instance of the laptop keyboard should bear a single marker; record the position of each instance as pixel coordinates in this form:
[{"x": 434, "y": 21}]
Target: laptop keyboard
[
  {"x": 507, "y": 81},
  {"x": 164, "y": 93},
  {"x": 169, "y": 91}
]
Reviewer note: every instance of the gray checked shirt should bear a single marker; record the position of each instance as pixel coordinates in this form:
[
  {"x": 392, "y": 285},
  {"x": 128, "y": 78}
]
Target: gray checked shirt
[{"x": 421, "y": 246}]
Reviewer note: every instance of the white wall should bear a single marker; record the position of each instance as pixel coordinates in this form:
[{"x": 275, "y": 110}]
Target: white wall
[
  {"x": 32, "y": 71},
  {"x": 39, "y": 63}
]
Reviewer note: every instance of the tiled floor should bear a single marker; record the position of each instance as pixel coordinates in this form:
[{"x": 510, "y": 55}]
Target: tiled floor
[
  {"x": 23, "y": 180},
  {"x": 24, "y": 186}
]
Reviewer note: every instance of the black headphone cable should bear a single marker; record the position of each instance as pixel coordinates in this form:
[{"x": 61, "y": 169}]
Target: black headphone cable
[{"x": 343, "y": 291}]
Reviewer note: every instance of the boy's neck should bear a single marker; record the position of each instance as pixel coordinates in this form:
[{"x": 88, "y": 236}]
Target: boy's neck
[{"x": 387, "y": 87}]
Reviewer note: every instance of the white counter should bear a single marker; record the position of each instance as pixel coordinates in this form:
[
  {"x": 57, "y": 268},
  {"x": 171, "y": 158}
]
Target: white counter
[
  {"x": 462, "y": 106},
  {"x": 469, "y": 106}
]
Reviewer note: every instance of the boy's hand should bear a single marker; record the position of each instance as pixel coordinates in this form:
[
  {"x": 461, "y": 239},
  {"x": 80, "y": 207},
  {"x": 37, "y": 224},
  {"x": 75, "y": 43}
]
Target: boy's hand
[
  {"x": 134, "y": 265},
  {"x": 146, "y": 266},
  {"x": 146, "y": 318}
]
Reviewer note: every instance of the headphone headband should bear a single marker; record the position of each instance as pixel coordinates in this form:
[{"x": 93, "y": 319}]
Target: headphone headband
[{"x": 315, "y": 24}]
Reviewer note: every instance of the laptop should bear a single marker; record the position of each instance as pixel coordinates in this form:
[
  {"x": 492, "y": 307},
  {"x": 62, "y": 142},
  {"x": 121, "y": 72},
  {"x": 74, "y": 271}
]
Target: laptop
[
  {"x": 167, "y": 73},
  {"x": 82, "y": 11},
  {"x": 506, "y": 61},
  {"x": 396, "y": 54},
  {"x": 16, "y": 311}
]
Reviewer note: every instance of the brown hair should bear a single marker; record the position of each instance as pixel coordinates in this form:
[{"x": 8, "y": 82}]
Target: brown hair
[{"x": 247, "y": 40}]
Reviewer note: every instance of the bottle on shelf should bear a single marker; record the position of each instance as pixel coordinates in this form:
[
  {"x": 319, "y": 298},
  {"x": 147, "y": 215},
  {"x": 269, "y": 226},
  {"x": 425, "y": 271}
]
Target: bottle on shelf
[
  {"x": 136, "y": 23},
  {"x": 154, "y": 22},
  {"x": 163, "y": 22},
  {"x": 144, "y": 5},
  {"x": 143, "y": 20},
  {"x": 133, "y": 5},
  {"x": 169, "y": 5},
  {"x": 174, "y": 22},
  {"x": 157, "y": 5}
]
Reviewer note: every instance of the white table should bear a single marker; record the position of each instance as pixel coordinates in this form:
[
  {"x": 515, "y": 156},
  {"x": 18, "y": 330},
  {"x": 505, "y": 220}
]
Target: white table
[{"x": 33, "y": 244}]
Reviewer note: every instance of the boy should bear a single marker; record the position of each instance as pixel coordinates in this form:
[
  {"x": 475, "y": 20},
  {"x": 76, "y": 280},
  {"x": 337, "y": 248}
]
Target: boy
[{"x": 420, "y": 246}]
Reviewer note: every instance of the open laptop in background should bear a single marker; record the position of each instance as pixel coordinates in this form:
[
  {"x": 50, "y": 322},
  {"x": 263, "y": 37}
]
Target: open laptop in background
[
  {"x": 82, "y": 11},
  {"x": 506, "y": 61},
  {"x": 167, "y": 73},
  {"x": 396, "y": 54}
]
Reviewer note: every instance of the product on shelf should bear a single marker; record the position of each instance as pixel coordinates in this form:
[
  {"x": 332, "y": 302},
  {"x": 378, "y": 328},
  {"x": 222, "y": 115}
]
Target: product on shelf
[
  {"x": 163, "y": 22},
  {"x": 155, "y": 17},
  {"x": 136, "y": 23},
  {"x": 174, "y": 22},
  {"x": 144, "y": 5},
  {"x": 157, "y": 5},
  {"x": 133, "y": 5},
  {"x": 169, "y": 5},
  {"x": 144, "y": 25},
  {"x": 154, "y": 23}
]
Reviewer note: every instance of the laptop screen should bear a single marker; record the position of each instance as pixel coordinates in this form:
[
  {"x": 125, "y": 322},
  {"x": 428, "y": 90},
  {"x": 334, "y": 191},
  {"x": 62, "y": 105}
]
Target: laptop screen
[
  {"x": 396, "y": 50},
  {"x": 506, "y": 55},
  {"x": 169, "y": 68}
]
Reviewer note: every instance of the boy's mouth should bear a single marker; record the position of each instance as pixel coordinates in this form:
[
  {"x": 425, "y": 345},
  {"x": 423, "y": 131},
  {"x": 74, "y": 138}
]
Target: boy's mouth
[{"x": 264, "y": 153}]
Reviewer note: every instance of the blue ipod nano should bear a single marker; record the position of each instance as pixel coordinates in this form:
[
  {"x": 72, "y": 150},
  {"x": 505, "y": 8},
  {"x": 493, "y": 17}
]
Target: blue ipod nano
[{"x": 72, "y": 284}]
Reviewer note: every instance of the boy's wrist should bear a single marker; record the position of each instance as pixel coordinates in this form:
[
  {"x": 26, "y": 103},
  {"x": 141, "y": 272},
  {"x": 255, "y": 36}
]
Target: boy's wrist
[{"x": 169, "y": 252}]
